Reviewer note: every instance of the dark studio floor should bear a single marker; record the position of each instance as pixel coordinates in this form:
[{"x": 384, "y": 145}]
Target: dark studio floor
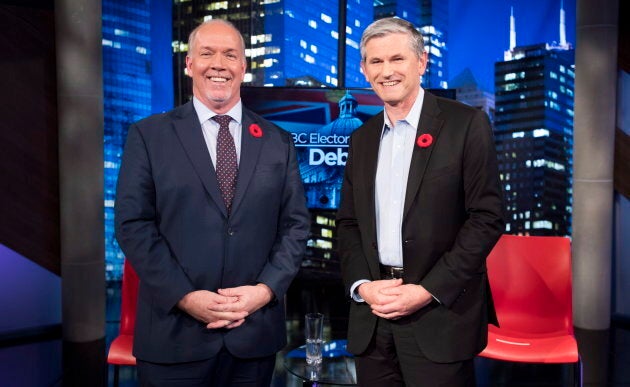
[{"x": 36, "y": 361}]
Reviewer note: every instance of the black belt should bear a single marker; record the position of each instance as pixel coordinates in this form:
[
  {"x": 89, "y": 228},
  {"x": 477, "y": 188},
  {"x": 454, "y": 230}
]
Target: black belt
[{"x": 391, "y": 272}]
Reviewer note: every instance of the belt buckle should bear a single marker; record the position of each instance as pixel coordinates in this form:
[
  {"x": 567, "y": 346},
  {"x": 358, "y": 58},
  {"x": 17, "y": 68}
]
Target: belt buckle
[{"x": 393, "y": 272}]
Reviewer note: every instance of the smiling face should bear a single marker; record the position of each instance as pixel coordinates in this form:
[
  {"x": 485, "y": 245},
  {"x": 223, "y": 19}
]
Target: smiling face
[
  {"x": 216, "y": 63},
  {"x": 393, "y": 69}
]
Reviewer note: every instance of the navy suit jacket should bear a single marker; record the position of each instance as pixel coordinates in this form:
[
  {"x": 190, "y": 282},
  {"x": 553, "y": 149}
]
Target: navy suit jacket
[
  {"x": 452, "y": 217},
  {"x": 172, "y": 224}
]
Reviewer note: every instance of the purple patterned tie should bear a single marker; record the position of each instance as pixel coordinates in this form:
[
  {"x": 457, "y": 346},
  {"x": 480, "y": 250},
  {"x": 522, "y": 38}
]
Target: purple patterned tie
[{"x": 227, "y": 167}]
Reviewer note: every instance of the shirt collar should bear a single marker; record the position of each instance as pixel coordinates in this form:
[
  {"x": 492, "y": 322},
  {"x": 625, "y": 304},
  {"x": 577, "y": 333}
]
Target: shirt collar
[
  {"x": 204, "y": 113},
  {"x": 413, "y": 117}
]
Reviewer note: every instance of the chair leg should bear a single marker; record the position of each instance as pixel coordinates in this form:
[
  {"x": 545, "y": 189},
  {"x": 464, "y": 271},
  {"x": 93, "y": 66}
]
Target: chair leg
[
  {"x": 577, "y": 372},
  {"x": 116, "y": 380}
]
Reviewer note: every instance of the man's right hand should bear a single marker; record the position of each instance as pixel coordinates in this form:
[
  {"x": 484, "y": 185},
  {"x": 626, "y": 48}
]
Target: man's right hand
[
  {"x": 202, "y": 305},
  {"x": 371, "y": 291}
]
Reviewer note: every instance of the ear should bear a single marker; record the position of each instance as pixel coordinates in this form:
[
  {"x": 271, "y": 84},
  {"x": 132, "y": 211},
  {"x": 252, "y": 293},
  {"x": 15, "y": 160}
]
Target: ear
[
  {"x": 188, "y": 65},
  {"x": 362, "y": 64},
  {"x": 422, "y": 63}
]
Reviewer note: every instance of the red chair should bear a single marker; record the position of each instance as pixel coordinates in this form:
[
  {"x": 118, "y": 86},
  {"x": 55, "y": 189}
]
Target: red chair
[
  {"x": 530, "y": 278},
  {"x": 122, "y": 346}
]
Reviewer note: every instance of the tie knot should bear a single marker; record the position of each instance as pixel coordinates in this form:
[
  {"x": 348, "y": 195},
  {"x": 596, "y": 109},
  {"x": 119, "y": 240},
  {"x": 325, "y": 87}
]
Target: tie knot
[{"x": 223, "y": 120}]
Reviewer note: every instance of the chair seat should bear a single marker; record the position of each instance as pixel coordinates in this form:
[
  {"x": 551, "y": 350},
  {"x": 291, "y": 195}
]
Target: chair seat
[
  {"x": 120, "y": 351},
  {"x": 530, "y": 347}
]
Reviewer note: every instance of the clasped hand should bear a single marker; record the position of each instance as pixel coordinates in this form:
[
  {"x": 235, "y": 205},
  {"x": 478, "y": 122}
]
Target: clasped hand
[
  {"x": 391, "y": 299},
  {"x": 227, "y": 308}
]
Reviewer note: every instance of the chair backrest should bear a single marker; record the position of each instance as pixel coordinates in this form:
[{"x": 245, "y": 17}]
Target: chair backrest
[
  {"x": 129, "y": 300},
  {"x": 530, "y": 278}
]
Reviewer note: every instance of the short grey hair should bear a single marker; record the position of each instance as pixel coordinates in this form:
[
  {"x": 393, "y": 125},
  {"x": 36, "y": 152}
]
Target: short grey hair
[
  {"x": 193, "y": 34},
  {"x": 393, "y": 25}
]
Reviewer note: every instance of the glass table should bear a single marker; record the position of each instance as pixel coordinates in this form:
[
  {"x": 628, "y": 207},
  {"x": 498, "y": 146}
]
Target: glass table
[{"x": 337, "y": 365}]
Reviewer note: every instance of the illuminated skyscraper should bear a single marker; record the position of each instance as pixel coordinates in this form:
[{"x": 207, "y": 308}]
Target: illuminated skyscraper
[
  {"x": 358, "y": 16},
  {"x": 431, "y": 17},
  {"x": 404, "y": 9},
  {"x": 133, "y": 87},
  {"x": 534, "y": 137},
  {"x": 434, "y": 27},
  {"x": 468, "y": 91},
  {"x": 248, "y": 16}
]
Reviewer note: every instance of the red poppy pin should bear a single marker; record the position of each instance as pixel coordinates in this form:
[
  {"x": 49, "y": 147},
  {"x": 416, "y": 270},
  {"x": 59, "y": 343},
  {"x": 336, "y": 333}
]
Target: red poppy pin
[
  {"x": 255, "y": 130},
  {"x": 424, "y": 140}
]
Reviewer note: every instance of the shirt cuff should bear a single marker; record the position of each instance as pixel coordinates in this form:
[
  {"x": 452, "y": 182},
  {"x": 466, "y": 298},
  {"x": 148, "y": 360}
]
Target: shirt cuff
[{"x": 354, "y": 294}]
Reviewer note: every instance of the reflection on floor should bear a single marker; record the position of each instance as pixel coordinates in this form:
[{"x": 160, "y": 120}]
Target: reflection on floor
[{"x": 37, "y": 363}]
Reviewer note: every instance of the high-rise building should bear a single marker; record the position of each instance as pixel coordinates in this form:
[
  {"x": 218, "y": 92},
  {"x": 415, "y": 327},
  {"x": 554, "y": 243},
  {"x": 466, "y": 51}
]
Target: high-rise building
[
  {"x": 468, "y": 91},
  {"x": 434, "y": 27},
  {"x": 288, "y": 42},
  {"x": 248, "y": 16},
  {"x": 358, "y": 16},
  {"x": 404, "y": 9},
  {"x": 534, "y": 136},
  {"x": 133, "y": 88},
  {"x": 431, "y": 18},
  {"x": 127, "y": 98}
]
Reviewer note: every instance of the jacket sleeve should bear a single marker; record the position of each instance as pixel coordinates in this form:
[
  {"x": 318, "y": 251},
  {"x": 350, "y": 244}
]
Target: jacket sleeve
[{"x": 137, "y": 231}]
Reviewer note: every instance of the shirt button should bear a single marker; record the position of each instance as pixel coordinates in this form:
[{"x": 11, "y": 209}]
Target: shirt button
[{"x": 230, "y": 231}]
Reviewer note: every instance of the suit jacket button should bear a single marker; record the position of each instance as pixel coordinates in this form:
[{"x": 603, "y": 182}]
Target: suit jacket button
[{"x": 230, "y": 232}]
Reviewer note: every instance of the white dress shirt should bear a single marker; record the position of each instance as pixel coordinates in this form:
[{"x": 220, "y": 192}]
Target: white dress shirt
[
  {"x": 394, "y": 160},
  {"x": 210, "y": 128}
]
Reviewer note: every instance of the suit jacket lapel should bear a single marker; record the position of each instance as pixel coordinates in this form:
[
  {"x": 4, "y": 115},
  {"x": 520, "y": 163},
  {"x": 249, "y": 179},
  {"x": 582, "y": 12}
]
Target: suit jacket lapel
[
  {"x": 429, "y": 123},
  {"x": 371, "y": 161},
  {"x": 368, "y": 163},
  {"x": 250, "y": 150},
  {"x": 189, "y": 132}
]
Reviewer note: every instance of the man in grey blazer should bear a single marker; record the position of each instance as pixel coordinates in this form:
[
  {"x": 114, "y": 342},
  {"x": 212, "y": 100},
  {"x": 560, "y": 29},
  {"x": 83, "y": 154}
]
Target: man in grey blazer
[
  {"x": 421, "y": 209},
  {"x": 211, "y": 213}
]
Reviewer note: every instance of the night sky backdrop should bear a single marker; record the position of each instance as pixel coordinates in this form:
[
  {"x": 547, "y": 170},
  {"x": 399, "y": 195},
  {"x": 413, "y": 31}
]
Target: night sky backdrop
[{"x": 479, "y": 32}]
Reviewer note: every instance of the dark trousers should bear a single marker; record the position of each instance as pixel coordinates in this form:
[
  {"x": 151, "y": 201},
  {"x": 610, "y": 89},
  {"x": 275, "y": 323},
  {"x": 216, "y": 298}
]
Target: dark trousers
[
  {"x": 219, "y": 371},
  {"x": 394, "y": 359}
]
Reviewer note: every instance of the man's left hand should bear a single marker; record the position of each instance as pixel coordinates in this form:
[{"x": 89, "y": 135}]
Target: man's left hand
[
  {"x": 409, "y": 299},
  {"x": 250, "y": 298}
]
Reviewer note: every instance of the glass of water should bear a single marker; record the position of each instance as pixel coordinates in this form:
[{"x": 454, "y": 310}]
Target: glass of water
[{"x": 314, "y": 332}]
